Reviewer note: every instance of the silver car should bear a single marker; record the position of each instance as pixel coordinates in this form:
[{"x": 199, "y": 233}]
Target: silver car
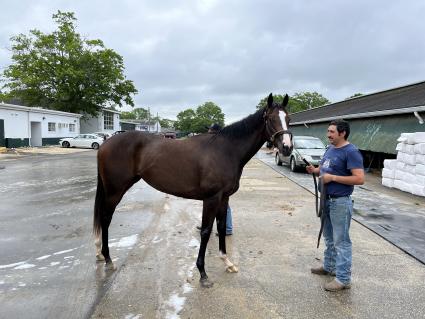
[{"x": 308, "y": 147}]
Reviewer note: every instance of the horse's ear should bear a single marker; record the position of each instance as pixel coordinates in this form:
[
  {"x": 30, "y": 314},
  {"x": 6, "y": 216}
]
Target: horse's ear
[
  {"x": 285, "y": 101},
  {"x": 270, "y": 101}
]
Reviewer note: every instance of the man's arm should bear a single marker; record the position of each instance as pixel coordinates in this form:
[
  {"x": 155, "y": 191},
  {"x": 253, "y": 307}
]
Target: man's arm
[
  {"x": 357, "y": 178},
  {"x": 311, "y": 169}
]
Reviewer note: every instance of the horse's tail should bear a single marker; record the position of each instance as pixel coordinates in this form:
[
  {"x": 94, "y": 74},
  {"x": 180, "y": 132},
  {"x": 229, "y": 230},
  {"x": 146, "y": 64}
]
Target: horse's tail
[{"x": 98, "y": 206}]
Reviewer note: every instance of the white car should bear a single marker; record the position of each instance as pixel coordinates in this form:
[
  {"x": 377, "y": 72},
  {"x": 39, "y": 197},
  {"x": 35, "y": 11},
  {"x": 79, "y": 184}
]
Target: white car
[
  {"x": 104, "y": 135},
  {"x": 83, "y": 140}
]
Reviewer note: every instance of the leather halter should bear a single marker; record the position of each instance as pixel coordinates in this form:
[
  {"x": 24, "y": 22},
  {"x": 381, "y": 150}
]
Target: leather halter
[{"x": 277, "y": 133}]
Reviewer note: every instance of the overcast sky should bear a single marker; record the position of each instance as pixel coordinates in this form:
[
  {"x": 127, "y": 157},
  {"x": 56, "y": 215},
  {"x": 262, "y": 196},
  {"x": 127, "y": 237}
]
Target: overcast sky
[{"x": 181, "y": 54}]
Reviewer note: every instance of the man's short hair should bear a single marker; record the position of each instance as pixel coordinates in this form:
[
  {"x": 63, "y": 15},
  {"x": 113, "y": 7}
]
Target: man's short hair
[
  {"x": 214, "y": 127},
  {"x": 341, "y": 126}
]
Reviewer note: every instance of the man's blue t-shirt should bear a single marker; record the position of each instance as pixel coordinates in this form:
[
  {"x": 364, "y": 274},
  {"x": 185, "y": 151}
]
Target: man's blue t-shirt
[{"x": 340, "y": 161}]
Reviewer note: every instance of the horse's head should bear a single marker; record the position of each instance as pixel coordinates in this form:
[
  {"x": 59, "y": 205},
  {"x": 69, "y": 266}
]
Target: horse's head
[{"x": 277, "y": 125}]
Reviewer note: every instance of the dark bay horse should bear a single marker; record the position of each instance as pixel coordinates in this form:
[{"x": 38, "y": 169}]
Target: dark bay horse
[{"x": 205, "y": 167}]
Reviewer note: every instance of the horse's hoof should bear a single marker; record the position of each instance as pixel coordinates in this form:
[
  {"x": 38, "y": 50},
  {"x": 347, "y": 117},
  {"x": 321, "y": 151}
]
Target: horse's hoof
[
  {"x": 100, "y": 257},
  {"x": 232, "y": 269},
  {"x": 110, "y": 266},
  {"x": 205, "y": 283}
]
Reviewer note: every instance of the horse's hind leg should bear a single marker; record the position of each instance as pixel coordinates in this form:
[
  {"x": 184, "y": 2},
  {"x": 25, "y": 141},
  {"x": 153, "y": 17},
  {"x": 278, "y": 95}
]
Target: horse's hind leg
[
  {"x": 110, "y": 205},
  {"x": 106, "y": 221},
  {"x": 107, "y": 199},
  {"x": 98, "y": 244}
]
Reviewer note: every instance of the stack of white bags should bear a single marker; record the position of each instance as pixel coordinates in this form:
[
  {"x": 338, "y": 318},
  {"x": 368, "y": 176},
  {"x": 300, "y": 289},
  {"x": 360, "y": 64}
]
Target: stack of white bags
[{"x": 407, "y": 172}]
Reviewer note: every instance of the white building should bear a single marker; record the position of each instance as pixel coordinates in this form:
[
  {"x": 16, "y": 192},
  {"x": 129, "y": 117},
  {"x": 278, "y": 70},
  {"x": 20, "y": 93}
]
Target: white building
[
  {"x": 141, "y": 125},
  {"x": 107, "y": 121},
  {"x": 30, "y": 126}
]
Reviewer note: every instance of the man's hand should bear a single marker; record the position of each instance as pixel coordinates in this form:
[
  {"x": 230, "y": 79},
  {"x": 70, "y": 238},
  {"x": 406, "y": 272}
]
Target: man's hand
[
  {"x": 310, "y": 169},
  {"x": 327, "y": 178}
]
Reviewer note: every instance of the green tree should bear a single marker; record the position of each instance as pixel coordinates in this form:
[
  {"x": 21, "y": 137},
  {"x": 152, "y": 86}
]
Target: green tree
[
  {"x": 142, "y": 114},
  {"x": 207, "y": 114},
  {"x": 137, "y": 114},
  {"x": 65, "y": 72},
  {"x": 299, "y": 101},
  {"x": 127, "y": 116},
  {"x": 310, "y": 100},
  {"x": 184, "y": 120},
  {"x": 166, "y": 123},
  {"x": 197, "y": 121},
  {"x": 354, "y": 95}
]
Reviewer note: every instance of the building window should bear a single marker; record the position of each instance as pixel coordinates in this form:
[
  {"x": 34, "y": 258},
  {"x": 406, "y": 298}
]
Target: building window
[
  {"x": 108, "y": 120},
  {"x": 72, "y": 127},
  {"x": 52, "y": 127}
]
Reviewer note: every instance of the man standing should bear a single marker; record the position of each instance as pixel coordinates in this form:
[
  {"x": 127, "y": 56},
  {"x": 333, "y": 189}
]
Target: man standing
[
  {"x": 341, "y": 168},
  {"x": 213, "y": 129}
]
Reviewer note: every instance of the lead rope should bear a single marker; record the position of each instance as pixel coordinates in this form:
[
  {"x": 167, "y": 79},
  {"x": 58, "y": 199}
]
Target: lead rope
[{"x": 320, "y": 209}]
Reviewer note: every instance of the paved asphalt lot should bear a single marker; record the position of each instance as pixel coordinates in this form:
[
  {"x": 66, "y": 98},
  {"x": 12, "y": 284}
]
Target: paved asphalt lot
[
  {"x": 397, "y": 216},
  {"x": 155, "y": 249}
]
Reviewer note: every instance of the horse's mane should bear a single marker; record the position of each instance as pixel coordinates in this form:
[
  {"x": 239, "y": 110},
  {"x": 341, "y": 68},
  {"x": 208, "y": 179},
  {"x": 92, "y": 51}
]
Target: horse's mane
[{"x": 244, "y": 126}]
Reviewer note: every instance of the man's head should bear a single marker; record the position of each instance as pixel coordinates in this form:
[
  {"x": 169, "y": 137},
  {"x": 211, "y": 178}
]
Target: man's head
[
  {"x": 338, "y": 132},
  {"x": 214, "y": 128}
]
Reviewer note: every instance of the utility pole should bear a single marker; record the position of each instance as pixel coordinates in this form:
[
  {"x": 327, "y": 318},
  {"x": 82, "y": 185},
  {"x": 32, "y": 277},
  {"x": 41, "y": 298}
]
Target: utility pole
[{"x": 149, "y": 119}]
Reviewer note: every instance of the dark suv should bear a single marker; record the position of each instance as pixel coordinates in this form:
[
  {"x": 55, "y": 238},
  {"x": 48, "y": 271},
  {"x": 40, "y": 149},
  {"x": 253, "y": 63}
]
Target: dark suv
[{"x": 171, "y": 135}]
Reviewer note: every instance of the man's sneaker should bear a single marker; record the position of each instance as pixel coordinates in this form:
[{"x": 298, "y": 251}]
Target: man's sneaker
[
  {"x": 335, "y": 285},
  {"x": 321, "y": 271}
]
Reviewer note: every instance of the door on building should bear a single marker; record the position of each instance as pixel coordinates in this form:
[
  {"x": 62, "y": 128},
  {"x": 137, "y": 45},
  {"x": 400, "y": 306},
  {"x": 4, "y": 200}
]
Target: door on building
[
  {"x": 2, "y": 141},
  {"x": 36, "y": 134}
]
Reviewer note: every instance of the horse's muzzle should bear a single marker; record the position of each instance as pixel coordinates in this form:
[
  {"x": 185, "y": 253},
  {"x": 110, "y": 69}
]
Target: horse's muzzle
[{"x": 286, "y": 150}]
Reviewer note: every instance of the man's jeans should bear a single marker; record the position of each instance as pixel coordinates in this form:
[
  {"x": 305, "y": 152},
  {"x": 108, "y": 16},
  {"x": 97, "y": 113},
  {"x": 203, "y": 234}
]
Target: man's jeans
[
  {"x": 229, "y": 224},
  {"x": 338, "y": 252}
]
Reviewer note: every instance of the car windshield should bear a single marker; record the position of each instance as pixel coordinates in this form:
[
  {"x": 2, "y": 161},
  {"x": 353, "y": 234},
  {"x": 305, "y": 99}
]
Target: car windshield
[{"x": 308, "y": 143}]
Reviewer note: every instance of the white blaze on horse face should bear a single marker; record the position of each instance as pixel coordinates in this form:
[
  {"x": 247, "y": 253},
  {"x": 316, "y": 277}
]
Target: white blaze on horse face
[{"x": 286, "y": 140}]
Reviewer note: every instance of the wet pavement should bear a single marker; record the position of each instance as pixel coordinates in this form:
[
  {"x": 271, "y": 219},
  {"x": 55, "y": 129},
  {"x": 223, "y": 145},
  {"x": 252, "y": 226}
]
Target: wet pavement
[
  {"x": 273, "y": 245},
  {"x": 397, "y": 216},
  {"x": 47, "y": 267},
  {"x": 47, "y": 264}
]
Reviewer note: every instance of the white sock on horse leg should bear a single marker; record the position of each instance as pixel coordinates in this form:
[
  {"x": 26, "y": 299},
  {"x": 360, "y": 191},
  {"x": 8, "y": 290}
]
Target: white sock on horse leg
[
  {"x": 98, "y": 243},
  {"x": 230, "y": 267}
]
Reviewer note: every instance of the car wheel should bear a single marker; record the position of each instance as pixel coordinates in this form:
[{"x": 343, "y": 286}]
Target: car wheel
[
  {"x": 65, "y": 144},
  {"x": 278, "y": 161},
  {"x": 95, "y": 146},
  {"x": 293, "y": 165}
]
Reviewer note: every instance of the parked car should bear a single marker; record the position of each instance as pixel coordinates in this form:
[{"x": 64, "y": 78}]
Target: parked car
[
  {"x": 308, "y": 147},
  {"x": 118, "y": 132},
  {"x": 83, "y": 140},
  {"x": 171, "y": 135},
  {"x": 104, "y": 135}
]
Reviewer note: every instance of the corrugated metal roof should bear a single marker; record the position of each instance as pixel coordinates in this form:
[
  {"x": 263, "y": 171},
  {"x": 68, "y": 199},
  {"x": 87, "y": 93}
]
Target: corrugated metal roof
[{"x": 409, "y": 96}]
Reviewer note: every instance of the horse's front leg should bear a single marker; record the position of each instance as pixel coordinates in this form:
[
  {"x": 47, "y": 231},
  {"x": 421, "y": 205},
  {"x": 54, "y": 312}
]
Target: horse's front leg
[
  {"x": 209, "y": 212},
  {"x": 221, "y": 225}
]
